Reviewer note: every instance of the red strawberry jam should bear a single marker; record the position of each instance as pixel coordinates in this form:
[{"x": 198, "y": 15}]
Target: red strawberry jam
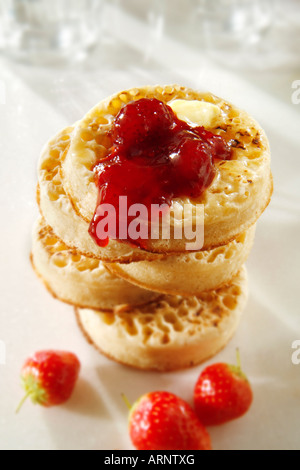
[{"x": 155, "y": 157}]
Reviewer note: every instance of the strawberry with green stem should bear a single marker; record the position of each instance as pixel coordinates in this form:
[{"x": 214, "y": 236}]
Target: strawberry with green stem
[
  {"x": 222, "y": 393},
  {"x": 49, "y": 377}
]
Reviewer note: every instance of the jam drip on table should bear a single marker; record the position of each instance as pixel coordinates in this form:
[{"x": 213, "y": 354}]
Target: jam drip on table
[{"x": 155, "y": 157}]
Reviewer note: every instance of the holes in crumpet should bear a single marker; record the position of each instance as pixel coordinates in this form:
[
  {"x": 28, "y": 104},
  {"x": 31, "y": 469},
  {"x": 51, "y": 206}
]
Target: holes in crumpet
[
  {"x": 76, "y": 258},
  {"x": 50, "y": 241},
  {"x": 60, "y": 261},
  {"x": 102, "y": 120},
  {"x": 229, "y": 302},
  {"x": 165, "y": 339},
  {"x": 131, "y": 328},
  {"x": 87, "y": 136},
  {"x": 108, "y": 318},
  {"x": 229, "y": 253}
]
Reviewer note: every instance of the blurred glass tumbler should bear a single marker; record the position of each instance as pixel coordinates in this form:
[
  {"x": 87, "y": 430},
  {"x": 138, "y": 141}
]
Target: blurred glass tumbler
[
  {"x": 233, "y": 23},
  {"x": 46, "y": 31}
]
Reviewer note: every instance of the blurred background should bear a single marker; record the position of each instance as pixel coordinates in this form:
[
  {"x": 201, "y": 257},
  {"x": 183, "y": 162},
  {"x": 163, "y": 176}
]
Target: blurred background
[
  {"x": 44, "y": 41},
  {"x": 239, "y": 33}
]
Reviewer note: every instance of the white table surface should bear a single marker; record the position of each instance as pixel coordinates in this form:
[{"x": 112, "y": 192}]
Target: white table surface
[{"x": 39, "y": 102}]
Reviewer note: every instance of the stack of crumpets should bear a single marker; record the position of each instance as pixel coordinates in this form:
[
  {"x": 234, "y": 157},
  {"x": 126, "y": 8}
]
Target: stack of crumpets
[{"x": 121, "y": 194}]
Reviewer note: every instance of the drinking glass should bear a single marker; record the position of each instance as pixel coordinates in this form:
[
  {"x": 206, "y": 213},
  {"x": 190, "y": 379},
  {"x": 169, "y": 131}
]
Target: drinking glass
[
  {"x": 43, "y": 31},
  {"x": 233, "y": 23}
]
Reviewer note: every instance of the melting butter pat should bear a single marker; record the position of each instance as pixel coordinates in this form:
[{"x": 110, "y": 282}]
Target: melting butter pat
[{"x": 199, "y": 113}]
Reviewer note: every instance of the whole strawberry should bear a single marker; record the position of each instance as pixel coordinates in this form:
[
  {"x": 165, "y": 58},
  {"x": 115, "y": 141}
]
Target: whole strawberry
[
  {"x": 222, "y": 393},
  {"x": 163, "y": 421},
  {"x": 49, "y": 377}
]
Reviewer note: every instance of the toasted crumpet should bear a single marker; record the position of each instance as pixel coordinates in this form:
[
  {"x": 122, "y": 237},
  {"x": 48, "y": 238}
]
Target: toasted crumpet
[
  {"x": 171, "y": 333},
  {"x": 238, "y": 195},
  {"x": 78, "y": 280},
  {"x": 189, "y": 274},
  {"x": 60, "y": 214}
]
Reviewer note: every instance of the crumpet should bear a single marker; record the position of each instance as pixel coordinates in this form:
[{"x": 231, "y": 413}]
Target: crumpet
[
  {"x": 170, "y": 333},
  {"x": 60, "y": 214},
  {"x": 192, "y": 273},
  {"x": 78, "y": 280},
  {"x": 238, "y": 194}
]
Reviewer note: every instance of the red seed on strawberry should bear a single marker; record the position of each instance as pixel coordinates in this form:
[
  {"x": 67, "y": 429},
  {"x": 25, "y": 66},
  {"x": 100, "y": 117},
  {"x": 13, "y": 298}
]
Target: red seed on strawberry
[
  {"x": 222, "y": 393},
  {"x": 163, "y": 421},
  {"x": 49, "y": 377}
]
